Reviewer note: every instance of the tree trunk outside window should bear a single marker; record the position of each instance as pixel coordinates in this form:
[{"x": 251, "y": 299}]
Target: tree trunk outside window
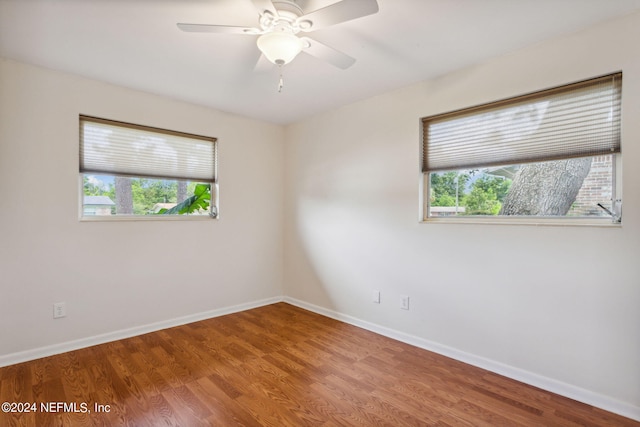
[
  {"x": 124, "y": 197},
  {"x": 182, "y": 191},
  {"x": 549, "y": 188}
]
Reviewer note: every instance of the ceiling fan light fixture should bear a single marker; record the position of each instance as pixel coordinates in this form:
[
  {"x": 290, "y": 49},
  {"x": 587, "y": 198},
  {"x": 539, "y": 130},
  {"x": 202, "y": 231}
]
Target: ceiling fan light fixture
[{"x": 280, "y": 47}]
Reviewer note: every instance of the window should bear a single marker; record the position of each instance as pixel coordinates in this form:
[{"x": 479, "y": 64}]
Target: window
[
  {"x": 137, "y": 171},
  {"x": 549, "y": 154}
]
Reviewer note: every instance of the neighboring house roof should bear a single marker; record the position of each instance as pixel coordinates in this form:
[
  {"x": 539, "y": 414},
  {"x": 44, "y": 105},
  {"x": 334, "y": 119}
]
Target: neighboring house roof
[
  {"x": 98, "y": 200},
  {"x": 504, "y": 171}
]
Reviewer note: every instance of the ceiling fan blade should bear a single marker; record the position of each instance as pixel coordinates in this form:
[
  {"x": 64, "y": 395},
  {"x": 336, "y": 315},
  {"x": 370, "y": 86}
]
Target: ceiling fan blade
[
  {"x": 263, "y": 5},
  {"x": 328, "y": 54},
  {"x": 336, "y": 13},
  {"x": 222, "y": 29}
]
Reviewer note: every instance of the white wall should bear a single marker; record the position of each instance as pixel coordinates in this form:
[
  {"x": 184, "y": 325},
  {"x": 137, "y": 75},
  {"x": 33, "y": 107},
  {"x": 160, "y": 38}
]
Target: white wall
[
  {"x": 124, "y": 275},
  {"x": 556, "y": 306}
]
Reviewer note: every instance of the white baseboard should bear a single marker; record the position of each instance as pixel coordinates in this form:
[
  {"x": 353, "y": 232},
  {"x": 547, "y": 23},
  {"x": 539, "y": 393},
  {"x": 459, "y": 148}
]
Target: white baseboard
[
  {"x": 37, "y": 353},
  {"x": 567, "y": 390}
]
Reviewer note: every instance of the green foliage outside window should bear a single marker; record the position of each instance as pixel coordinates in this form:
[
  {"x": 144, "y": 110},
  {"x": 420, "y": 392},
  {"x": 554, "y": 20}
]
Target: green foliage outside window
[
  {"x": 479, "y": 195},
  {"x": 147, "y": 193},
  {"x": 199, "y": 201}
]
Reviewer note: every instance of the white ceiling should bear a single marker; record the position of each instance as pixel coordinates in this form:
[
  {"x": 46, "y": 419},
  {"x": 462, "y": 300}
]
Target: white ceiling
[{"x": 136, "y": 44}]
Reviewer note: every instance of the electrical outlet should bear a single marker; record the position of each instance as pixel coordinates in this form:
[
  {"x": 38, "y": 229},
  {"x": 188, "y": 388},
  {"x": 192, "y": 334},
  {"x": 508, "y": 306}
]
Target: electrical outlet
[
  {"x": 59, "y": 310},
  {"x": 404, "y": 302},
  {"x": 375, "y": 297}
]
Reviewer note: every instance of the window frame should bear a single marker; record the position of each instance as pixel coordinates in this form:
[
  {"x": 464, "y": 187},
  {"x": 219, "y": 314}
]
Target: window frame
[
  {"x": 213, "y": 211},
  {"x": 424, "y": 182}
]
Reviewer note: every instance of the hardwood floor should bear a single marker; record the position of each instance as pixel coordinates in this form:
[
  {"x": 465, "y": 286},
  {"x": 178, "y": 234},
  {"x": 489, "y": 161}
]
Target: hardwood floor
[{"x": 275, "y": 366}]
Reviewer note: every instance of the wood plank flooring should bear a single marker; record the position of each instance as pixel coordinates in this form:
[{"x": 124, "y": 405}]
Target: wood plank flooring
[{"x": 277, "y": 365}]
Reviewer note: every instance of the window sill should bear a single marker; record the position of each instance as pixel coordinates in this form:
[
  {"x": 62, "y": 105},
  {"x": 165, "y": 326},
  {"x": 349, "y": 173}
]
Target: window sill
[
  {"x": 529, "y": 221},
  {"x": 144, "y": 218}
]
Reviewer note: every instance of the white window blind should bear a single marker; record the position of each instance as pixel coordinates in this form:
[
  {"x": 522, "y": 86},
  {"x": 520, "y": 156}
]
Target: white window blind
[
  {"x": 577, "y": 120},
  {"x": 115, "y": 148}
]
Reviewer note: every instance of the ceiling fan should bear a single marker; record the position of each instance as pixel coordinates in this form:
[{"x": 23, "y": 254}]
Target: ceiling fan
[{"x": 280, "y": 22}]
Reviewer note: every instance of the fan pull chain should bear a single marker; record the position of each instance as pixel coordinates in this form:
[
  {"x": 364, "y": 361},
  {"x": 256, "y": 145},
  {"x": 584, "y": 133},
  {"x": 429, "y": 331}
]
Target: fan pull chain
[{"x": 281, "y": 81}]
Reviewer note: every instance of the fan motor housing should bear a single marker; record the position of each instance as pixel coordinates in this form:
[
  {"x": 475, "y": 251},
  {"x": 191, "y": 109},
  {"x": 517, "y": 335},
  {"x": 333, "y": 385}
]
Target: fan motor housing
[{"x": 287, "y": 10}]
